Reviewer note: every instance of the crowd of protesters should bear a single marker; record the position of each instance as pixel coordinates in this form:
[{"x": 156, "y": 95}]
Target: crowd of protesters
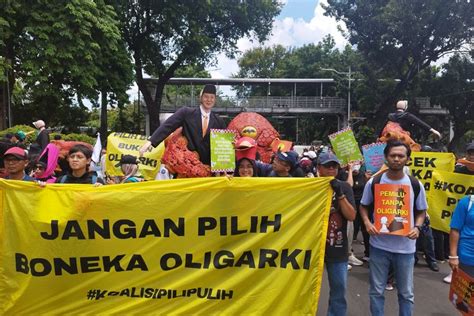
[{"x": 391, "y": 258}]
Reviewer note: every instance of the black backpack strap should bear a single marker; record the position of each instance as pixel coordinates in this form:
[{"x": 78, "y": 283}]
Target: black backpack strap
[{"x": 415, "y": 184}]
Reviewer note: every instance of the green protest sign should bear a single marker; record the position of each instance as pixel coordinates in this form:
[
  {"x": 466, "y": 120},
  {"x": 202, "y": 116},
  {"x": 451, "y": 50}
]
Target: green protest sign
[
  {"x": 222, "y": 150},
  {"x": 345, "y": 146}
]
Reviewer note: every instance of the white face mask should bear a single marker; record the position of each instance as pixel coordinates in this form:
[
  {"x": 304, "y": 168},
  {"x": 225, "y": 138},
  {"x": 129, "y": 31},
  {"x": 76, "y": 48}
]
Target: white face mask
[{"x": 355, "y": 167}]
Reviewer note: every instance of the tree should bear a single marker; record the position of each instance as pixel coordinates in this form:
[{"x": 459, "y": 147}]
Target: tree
[
  {"x": 401, "y": 38},
  {"x": 61, "y": 51},
  {"x": 455, "y": 91},
  {"x": 164, "y": 35}
]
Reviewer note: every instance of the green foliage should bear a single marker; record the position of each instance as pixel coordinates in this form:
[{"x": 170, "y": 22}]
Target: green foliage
[
  {"x": 24, "y": 128},
  {"x": 165, "y": 35},
  {"x": 79, "y": 137},
  {"x": 365, "y": 135},
  {"x": 60, "y": 51},
  {"x": 307, "y": 61},
  {"x": 125, "y": 118},
  {"x": 400, "y": 38},
  {"x": 455, "y": 90}
]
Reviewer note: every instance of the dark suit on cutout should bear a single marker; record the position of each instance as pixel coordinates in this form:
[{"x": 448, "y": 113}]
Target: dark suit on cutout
[{"x": 190, "y": 120}]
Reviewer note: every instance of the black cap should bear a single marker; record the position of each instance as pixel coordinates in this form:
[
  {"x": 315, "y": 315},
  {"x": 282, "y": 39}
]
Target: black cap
[
  {"x": 127, "y": 159},
  {"x": 209, "y": 88}
]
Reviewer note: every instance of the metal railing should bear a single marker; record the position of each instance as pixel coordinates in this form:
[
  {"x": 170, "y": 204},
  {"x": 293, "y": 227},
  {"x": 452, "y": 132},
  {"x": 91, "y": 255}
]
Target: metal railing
[{"x": 301, "y": 102}]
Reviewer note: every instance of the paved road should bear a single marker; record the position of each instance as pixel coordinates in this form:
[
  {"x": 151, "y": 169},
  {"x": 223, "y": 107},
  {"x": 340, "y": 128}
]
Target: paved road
[{"x": 431, "y": 294}]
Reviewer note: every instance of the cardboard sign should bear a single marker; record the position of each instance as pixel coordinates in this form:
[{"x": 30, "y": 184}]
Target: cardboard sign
[
  {"x": 422, "y": 165},
  {"x": 461, "y": 292},
  {"x": 345, "y": 146},
  {"x": 373, "y": 156},
  {"x": 119, "y": 144},
  {"x": 446, "y": 189},
  {"x": 222, "y": 150},
  {"x": 392, "y": 213},
  {"x": 281, "y": 145}
]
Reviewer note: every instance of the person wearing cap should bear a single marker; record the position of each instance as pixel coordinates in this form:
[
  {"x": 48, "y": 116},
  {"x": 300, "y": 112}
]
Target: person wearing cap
[
  {"x": 196, "y": 123},
  {"x": 42, "y": 140},
  {"x": 79, "y": 159},
  {"x": 16, "y": 160},
  {"x": 336, "y": 255},
  {"x": 466, "y": 164},
  {"x": 129, "y": 166},
  {"x": 18, "y": 138},
  {"x": 245, "y": 153},
  {"x": 283, "y": 163}
]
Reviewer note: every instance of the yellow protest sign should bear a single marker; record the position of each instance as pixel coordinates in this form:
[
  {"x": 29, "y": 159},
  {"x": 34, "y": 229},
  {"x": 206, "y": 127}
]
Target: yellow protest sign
[
  {"x": 119, "y": 144},
  {"x": 422, "y": 165},
  {"x": 446, "y": 189},
  {"x": 188, "y": 247}
]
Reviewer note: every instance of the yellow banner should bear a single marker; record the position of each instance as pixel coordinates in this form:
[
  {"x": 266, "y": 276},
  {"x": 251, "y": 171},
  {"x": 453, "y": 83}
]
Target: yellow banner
[
  {"x": 446, "y": 189},
  {"x": 119, "y": 144},
  {"x": 422, "y": 165},
  {"x": 188, "y": 247}
]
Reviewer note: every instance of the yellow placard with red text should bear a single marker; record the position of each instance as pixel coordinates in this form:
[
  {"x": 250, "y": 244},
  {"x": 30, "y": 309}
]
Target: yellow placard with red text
[{"x": 181, "y": 247}]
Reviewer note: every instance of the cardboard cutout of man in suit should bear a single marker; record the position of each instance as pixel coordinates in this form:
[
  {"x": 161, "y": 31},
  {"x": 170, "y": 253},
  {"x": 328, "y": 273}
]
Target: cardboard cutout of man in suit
[{"x": 196, "y": 123}]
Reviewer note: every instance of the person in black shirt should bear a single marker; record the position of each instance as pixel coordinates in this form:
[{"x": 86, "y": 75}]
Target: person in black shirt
[
  {"x": 79, "y": 159},
  {"x": 336, "y": 255}
]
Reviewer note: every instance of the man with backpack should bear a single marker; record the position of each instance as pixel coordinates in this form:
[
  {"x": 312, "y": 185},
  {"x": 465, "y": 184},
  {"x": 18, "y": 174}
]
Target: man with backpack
[{"x": 390, "y": 249}]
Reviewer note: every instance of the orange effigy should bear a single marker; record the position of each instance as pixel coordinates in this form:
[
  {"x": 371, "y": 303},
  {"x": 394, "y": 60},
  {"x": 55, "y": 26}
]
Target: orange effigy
[
  {"x": 255, "y": 126},
  {"x": 181, "y": 161}
]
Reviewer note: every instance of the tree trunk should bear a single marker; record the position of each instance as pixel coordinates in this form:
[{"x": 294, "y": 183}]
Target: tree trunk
[{"x": 103, "y": 118}]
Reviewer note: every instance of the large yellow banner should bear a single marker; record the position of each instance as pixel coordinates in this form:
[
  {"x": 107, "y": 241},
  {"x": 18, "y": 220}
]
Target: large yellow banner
[
  {"x": 446, "y": 189},
  {"x": 119, "y": 144},
  {"x": 189, "y": 247},
  {"x": 422, "y": 165}
]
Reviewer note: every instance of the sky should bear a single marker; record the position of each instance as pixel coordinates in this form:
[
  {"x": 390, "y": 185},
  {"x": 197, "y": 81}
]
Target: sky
[{"x": 300, "y": 22}]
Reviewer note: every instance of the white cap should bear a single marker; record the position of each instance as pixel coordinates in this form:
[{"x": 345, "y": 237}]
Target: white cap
[{"x": 39, "y": 124}]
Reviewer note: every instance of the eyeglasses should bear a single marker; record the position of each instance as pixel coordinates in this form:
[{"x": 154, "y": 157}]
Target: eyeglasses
[{"x": 12, "y": 160}]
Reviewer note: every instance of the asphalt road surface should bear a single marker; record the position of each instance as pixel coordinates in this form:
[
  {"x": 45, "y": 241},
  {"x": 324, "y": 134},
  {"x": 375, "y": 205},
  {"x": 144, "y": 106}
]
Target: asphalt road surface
[{"x": 431, "y": 294}]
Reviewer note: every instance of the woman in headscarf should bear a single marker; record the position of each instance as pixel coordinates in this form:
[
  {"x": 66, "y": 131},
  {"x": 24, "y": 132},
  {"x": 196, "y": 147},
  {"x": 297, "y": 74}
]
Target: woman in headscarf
[
  {"x": 43, "y": 169},
  {"x": 129, "y": 166}
]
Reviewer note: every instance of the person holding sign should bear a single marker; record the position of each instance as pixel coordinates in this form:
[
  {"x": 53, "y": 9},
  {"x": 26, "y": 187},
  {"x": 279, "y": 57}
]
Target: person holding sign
[
  {"x": 196, "y": 123},
  {"x": 404, "y": 197},
  {"x": 336, "y": 255},
  {"x": 461, "y": 236}
]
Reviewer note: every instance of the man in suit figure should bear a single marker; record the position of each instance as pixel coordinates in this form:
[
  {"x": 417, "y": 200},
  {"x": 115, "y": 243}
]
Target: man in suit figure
[{"x": 196, "y": 123}]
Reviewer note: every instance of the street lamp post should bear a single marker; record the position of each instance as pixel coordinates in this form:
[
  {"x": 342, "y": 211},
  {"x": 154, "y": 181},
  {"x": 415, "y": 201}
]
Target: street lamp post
[{"x": 348, "y": 74}]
